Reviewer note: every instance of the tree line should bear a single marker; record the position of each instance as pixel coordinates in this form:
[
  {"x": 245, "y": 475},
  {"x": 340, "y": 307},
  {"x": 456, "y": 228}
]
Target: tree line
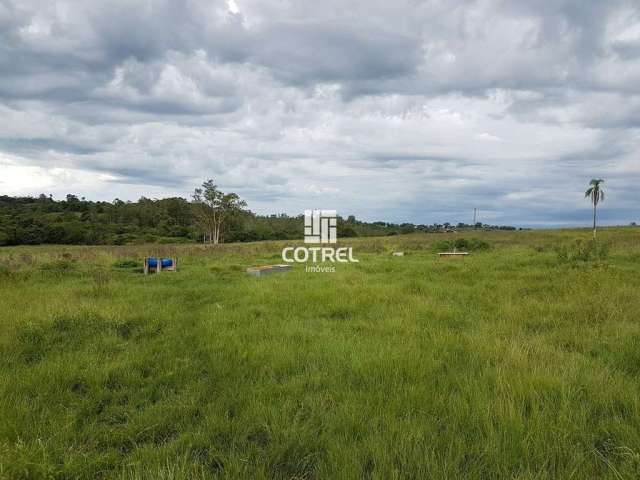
[{"x": 210, "y": 215}]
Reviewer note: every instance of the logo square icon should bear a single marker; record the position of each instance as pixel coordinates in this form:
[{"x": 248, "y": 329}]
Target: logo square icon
[{"x": 320, "y": 226}]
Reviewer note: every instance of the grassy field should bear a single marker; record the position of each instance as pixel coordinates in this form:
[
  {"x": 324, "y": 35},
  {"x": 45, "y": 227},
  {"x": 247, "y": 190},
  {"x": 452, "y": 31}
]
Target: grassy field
[{"x": 516, "y": 362}]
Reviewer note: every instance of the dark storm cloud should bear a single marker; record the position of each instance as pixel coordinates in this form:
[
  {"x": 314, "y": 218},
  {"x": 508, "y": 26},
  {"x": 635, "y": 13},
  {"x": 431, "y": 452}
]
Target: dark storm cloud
[
  {"x": 376, "y": 105},
  {"x": 310, "y": 53}
]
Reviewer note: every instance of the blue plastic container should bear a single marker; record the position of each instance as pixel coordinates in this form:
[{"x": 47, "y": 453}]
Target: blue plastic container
[{"x": 164, "y": 262}]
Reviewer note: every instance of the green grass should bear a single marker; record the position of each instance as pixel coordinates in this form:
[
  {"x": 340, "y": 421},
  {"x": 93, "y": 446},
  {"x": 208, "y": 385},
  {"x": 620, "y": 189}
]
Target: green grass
[{"x": 516, "y": 362}]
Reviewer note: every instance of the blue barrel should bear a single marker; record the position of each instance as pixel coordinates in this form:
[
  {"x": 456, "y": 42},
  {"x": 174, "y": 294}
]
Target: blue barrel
[{"x": 164, "y": 262}]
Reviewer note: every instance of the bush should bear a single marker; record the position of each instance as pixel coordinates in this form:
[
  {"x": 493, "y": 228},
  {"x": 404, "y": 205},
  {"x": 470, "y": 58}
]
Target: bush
[
  {"x": 473, "y": 244},
  {"x": 477, "y": 244},
  {"x": 443, "y": 246},
  {"x": 58, "y": 266},
  {"x": 461, "y": 244},
  {"x": 581, "y": 251},
  {"x": 347, "y": 231}
]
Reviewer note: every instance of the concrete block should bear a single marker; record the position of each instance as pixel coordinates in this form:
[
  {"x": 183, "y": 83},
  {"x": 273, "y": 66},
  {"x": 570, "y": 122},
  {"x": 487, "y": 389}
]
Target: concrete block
[
  {"x": 267, "y": 270},
  {"x": 453, "y": 254}
]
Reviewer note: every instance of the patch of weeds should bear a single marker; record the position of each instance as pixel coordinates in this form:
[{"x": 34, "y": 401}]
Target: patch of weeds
[
  {"x": 159, "y": 433},
  {"x": 416, "y": 287},
  {"x": 194, "y": 299},
  {"x": 205, "y": 457},
  {"x": 100, "y": 278},
  {"x": 59, "y": 266},
  {"x": 127, "y": 328},
  {"x": 227, "y": 271},
  {"x": 604, "y": 445},
  {"x": 101, "y": 286},
  {"x": 126, "y": 263},
  {"x": 582, "y": 252},
  {"x": 20, "y": 463},
  {"x": 443, "y": 246},
  {"x": 368, "y": 465},
  {"x": 461, "y": 244},
  {"x": 113, "y": 381},
  {"x": 298, "y": 459},
  {"x": 64, "y": 324},
  {"x": 624, "y": 355},
  {"x": 259, "y": 436},
  {"x": 537, "y": 327},
  {"x": 341, "y": 313},
  {"x": 150, "y": 331},
  {"x": 476, "y": 244},
  {"x": 26, "y": 258},
  {"x": 454, "y": 323},
  {"x": 34, "y": 341},
  {"x": 78, "y": 386}
]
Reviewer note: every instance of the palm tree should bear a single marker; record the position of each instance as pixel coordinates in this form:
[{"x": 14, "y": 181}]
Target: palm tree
[{"x": 596, "y": 194}]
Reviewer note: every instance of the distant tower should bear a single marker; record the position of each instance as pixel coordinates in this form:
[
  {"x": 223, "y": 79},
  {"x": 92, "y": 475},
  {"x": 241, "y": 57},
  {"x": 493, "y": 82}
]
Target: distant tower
[{"x": 475, "y": 216}]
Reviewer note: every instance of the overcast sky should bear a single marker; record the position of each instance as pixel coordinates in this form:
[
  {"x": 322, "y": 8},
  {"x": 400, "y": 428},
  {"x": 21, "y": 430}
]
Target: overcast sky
[{"x": 390, "y": 110}]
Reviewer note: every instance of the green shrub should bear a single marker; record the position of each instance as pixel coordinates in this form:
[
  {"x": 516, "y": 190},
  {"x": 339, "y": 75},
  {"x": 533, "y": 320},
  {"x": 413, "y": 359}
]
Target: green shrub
[
  {"x": 443, "y": 246},
  {"x": 461, "y": 244},
  {"x": 477, "y": 244},
  {"x": 581, "y": 251}
]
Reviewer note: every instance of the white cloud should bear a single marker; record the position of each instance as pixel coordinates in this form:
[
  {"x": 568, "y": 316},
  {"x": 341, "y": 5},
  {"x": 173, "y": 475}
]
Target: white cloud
[{"x": 394, "y": 110}]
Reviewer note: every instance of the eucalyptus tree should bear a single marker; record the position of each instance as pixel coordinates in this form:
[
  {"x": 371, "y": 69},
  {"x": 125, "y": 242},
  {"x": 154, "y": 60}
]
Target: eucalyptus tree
[{"x": 214, "y": 208}]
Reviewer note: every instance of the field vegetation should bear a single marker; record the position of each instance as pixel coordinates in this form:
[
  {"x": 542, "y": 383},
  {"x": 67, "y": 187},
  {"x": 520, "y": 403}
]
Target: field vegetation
[{"x": 520, "y": 361}]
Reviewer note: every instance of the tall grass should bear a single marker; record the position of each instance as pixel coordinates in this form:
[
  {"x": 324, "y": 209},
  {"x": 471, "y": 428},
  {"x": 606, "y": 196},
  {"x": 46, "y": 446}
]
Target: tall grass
[{"x": 510, "y": 363}]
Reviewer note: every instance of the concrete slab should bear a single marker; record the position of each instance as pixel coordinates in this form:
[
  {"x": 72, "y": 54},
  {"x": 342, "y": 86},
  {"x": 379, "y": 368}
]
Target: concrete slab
[
  {"x": 453, "y": 254},
  {"x": 268, "y": 270}
]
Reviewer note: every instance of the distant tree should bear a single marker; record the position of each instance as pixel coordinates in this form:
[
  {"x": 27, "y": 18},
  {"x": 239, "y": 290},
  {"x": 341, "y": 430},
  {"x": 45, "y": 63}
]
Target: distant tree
[
  {"x": 406, "y": 228},
  {"x": 596, "y": 195},
  {"x": 41, "y": 219},
  {"x": 214, "y": 209}
]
